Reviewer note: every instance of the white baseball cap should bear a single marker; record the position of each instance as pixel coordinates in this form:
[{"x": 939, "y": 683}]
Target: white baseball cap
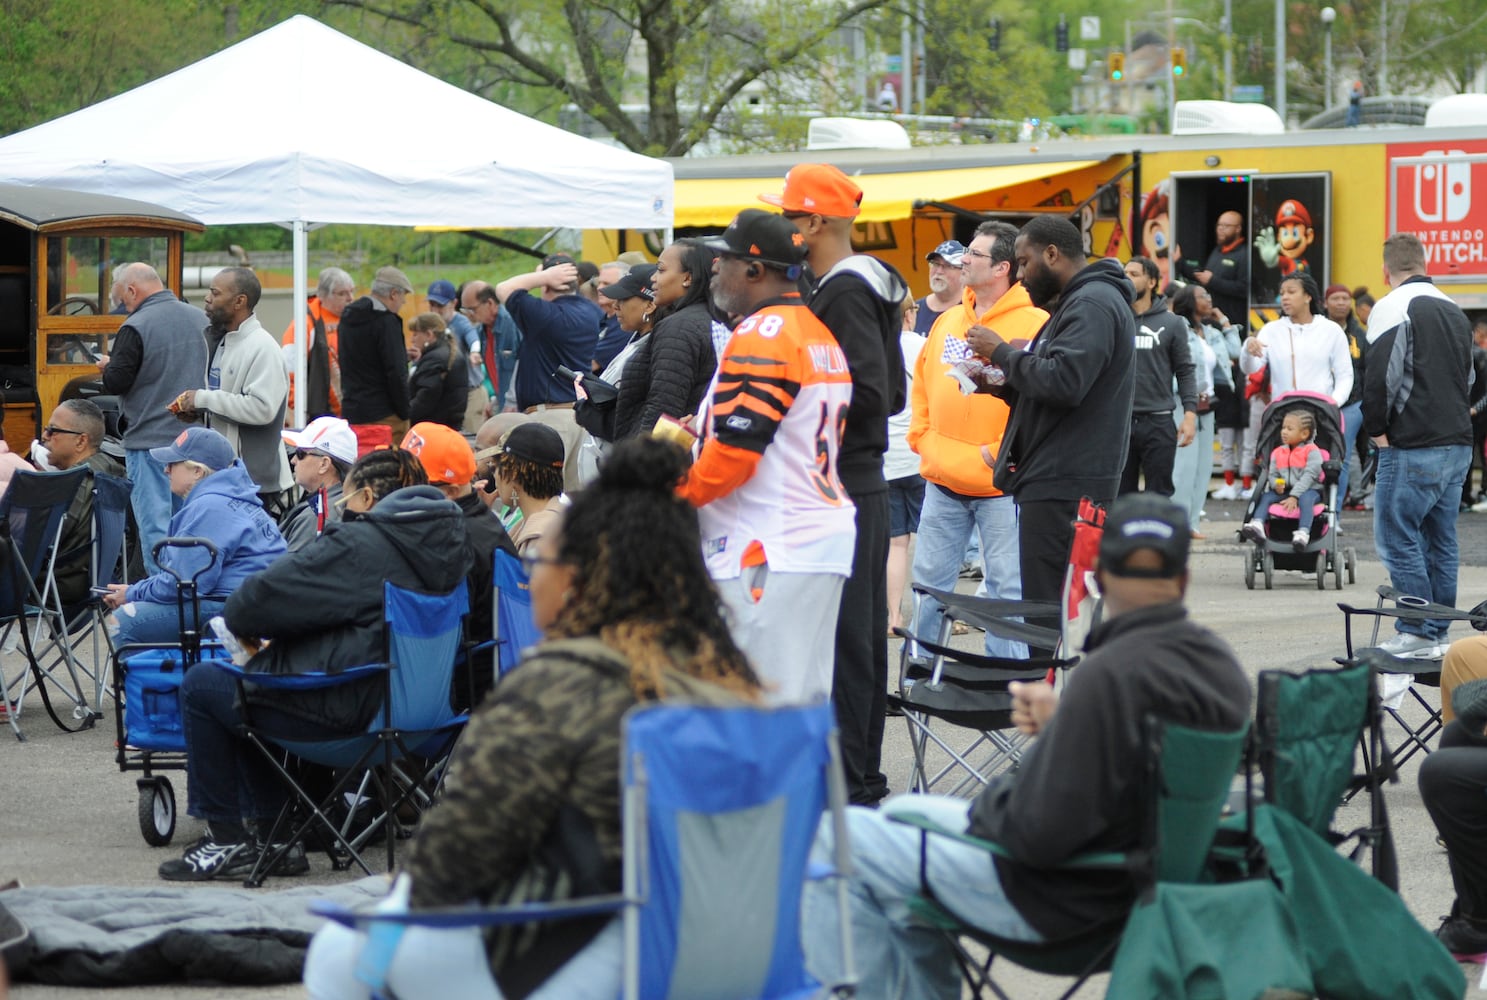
[{"x": 328, "y": 435}]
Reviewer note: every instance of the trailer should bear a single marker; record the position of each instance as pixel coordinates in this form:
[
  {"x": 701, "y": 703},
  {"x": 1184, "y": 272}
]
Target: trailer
[{"x": 1321, "y": 201}]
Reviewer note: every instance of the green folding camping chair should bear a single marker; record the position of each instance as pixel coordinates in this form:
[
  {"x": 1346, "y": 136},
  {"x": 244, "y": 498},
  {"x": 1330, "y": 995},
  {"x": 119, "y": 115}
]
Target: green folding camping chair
[{"x": 1189, "y": 773}]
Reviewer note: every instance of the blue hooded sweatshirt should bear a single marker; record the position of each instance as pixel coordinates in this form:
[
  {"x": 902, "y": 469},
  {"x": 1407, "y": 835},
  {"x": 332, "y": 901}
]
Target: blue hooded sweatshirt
[{"x": 224, "y": 509}]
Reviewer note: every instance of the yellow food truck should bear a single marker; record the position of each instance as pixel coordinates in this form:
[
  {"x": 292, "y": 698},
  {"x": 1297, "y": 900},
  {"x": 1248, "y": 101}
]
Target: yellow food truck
[
  {"x": 1320, "y": 201},
  {"x": 58, "y": 250}
]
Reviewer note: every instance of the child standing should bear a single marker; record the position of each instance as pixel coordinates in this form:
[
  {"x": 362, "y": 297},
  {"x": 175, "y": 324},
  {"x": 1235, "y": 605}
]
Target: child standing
[{"x": 1292, "y": 479}]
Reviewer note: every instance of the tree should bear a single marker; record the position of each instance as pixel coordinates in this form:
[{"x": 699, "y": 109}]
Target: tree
[{"x": 685, "y": 61}]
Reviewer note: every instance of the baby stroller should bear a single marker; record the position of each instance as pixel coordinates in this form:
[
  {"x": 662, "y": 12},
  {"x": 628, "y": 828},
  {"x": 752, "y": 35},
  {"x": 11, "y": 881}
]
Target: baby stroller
[{"x": 1323, "y": 554}]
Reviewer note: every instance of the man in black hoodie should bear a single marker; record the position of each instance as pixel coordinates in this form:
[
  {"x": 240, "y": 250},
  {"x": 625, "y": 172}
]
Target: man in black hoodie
[
  {"x": 1069, "y": 393},
  {"x": 1078, "y": 788},
  {"x": 858, "y": 298},
  {"x": 1161, "y": 353},
  {"x": 374, "y": 355}
]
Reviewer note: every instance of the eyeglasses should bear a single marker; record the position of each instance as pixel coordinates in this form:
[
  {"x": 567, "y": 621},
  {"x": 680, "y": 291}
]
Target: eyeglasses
[
  {"x": 977, "y": 253},
  {"x": 530, "y": 562},
  {"x": 49, "y": 430}
]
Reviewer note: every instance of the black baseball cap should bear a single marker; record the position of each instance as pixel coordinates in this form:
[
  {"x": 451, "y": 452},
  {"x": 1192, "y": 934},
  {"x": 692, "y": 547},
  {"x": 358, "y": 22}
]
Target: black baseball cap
[
  {"x": 1145, "y": 521},
  {"x": 554, "y": 259},
  {"x": 536, "y": 443},
  {"x": 636, "y": 282},
  {"x": 755, "y": 234}
]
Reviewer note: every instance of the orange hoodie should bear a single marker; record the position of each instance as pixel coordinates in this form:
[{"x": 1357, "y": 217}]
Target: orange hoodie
[{"x": 949, "y": 428}]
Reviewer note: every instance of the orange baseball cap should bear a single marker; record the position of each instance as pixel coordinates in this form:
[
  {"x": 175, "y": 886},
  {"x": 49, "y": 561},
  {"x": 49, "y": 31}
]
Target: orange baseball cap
[
  {"x": 820, "y": 189},
  {"x": 446, "y": 456}
]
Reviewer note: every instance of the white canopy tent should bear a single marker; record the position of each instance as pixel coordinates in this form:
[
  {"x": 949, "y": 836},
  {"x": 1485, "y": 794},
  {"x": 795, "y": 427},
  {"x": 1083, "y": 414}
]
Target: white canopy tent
[{"x": 240, "y": 137}]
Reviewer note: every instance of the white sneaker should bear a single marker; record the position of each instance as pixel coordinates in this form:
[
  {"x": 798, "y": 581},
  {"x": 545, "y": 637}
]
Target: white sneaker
[
  {"x": 1408, "y": 646},
  {"x": 1480, "y": 506},
  {"x": 1300, "y": 540},
  {"x": 1228, "y": 491},
  {"x": 1254, "y": 531}
]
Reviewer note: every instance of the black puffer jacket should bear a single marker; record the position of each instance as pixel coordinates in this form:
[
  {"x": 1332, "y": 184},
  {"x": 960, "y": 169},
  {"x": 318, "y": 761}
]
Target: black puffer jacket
[
  {"x": 374, "y": 363},
  {"x": 439, "y": 386},
  {"x": 669, "y": 374},
  {"x": 321, "y": 607}
]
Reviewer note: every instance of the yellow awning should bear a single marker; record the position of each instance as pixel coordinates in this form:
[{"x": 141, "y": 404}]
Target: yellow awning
[{"x": 713, "y": 202}]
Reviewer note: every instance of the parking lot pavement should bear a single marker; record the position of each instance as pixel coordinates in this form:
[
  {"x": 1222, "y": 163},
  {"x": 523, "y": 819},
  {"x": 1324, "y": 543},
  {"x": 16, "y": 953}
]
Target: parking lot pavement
[{"x": 69, "y": 817}]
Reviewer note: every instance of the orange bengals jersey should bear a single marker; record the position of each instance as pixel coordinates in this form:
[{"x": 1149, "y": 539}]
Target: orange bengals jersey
[{"x": 772, "y": 428}]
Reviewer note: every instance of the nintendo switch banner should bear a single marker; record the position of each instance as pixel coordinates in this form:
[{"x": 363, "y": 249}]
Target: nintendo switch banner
[{"x": 1438, "y": 191}]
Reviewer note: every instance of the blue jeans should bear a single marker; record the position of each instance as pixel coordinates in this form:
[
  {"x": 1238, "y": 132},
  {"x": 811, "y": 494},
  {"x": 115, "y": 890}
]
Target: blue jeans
[
  {"x": 153, "y": 622},
  {"x": 897, "y": 956},
  {"x": 152, "y": 500},
  {"x": 1416, "y": 496},
  {"x": 1305, "y": 508},
  {"x": 944, "y": 529},
  {"x": 227, "y": 779},
  {"x": 1352, "y": 419}
]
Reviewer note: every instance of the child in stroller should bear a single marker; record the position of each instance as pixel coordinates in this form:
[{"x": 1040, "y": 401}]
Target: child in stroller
[
  {"x": 1295, "y": 527},
  {"x": 1293, "y": 479}
]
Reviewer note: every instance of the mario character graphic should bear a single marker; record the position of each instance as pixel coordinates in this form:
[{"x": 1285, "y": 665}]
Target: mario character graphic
[
  {"x": 1155, "y": 206},
  {"x": 1285, "y": 245}
]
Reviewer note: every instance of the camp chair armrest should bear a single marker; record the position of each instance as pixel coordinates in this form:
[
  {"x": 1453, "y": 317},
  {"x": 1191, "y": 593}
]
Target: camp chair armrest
[
  {"x": 300, "y": 682},
  {"x": 472, "y": 916},
  {"x": 1104, "y": 859}
]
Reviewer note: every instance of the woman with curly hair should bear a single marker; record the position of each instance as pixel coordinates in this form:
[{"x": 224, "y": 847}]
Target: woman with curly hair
[
  {"x": 670, "y": 372},
  {"x": 531, "y": 809}
]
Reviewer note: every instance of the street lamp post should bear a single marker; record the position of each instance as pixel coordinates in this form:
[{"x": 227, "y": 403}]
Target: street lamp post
[{"x": 1328, "y": 16}]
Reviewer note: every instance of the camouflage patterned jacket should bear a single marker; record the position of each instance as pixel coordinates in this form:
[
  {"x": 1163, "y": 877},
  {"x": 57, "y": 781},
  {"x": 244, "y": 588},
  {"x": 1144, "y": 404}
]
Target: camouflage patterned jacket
[{"x": 531, "y": 807}]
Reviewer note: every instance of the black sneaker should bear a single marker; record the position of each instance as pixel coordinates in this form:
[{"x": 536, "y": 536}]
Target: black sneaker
[
  {"x": 294, "y": 862},
  {"x": 1462, "y": 938},
  {"x": 204, "y": 860}
]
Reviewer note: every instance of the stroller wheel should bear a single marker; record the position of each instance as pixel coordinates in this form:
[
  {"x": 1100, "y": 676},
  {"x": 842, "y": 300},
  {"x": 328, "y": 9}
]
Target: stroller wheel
[
  {"x": 1322, "y": 570},
  {"x": 1336, "y": 569},
  {"x": 1352, "y": 561},
  {"x": 157, "y": 811},
  {"x": 1249, "y": 569},
  {"x": 1269, "y": 570}
]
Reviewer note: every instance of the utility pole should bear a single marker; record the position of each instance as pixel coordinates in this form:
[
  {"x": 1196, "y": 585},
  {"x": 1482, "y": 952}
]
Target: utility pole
[
  {"x": 1280, "y": 58},
  {"x": 1228, "y": 50},
  {"x": 1172, "y": 76},
  {"x": 906, "y": 67},
  {"x": 1384, "y": 50}
]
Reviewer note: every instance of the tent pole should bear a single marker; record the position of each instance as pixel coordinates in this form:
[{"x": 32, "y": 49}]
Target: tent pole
[{"x": 301, "y": 305}]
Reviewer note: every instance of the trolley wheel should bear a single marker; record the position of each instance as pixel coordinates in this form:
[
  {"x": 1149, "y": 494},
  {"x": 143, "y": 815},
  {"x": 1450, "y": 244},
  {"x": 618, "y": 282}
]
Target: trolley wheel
[
  {"x": 157, "y": 811},
  {"x": 1352, "y": 561},
  {"x": 1269, "y": 570},
  {"x": 1249, "y": 569}
]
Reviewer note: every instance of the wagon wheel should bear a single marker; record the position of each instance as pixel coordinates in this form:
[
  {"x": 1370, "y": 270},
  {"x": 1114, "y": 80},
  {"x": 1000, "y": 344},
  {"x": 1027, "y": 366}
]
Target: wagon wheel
[{"x": 157, "y": 810}]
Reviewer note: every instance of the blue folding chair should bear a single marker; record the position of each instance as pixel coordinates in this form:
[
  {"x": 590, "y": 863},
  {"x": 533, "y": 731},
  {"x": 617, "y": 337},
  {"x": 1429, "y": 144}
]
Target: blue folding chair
[
  {"x": 721, "y": 807},
  {"x": 87, "y": 620},
  {"x": 515, "y": 629},
  {"x": 31, "y": 514},
  {"x": 414, "y": 727}
]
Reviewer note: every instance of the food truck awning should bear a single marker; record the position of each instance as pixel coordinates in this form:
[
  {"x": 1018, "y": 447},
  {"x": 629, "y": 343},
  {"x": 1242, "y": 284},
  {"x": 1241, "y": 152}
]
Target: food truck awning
[{"x": 703, "y": 202}]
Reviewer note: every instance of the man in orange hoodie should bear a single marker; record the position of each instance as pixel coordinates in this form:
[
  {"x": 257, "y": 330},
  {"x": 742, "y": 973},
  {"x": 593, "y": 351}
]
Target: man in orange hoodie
[{"x": 957, "y": 435}]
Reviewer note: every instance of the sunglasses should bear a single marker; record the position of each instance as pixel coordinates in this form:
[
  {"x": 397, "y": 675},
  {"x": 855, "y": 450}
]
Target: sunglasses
[{"x": 49, "y": 430}]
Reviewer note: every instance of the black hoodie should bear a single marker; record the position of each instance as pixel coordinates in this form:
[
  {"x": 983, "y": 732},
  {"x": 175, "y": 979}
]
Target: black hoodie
[
  {"x": 1070, "y": 395},
  {"x": 322, "y": 605},
  {"x": 1162, "y": 354}
]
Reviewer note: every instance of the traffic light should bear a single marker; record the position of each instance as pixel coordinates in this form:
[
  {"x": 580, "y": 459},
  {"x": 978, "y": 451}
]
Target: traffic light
[
  {"x": 1179, "y": 62},
  {"x": 994, "y": 40},
  {"x": 1061, "y": 35},
  {"x": 1117, "y": 66}
]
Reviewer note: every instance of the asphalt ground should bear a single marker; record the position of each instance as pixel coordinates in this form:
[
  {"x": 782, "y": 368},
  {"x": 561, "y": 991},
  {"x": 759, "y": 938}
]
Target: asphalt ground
[{"x": 68, "y": 816}]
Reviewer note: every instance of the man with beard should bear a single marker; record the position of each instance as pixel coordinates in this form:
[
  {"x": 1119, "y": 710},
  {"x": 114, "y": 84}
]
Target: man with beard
[
  {"x": 246, "y": 390},
  {"x": 945, "y": 284},
  {"x": 1070, "y": 395},
  {"x": 1161, "y": 354},
  {"x": 777, "y": 525}
]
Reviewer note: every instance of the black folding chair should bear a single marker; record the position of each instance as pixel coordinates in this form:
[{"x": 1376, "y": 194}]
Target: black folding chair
[{"x": 31, "y": 514}]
